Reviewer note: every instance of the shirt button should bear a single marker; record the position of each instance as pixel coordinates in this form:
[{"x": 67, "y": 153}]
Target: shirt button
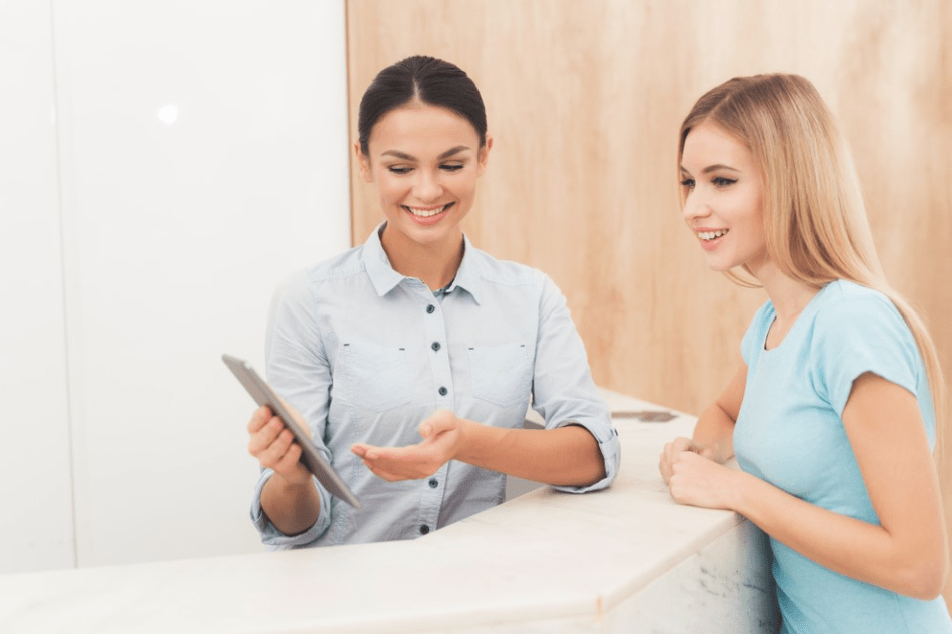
[
  {"x": 424, "y": 529},
  {"x": 430, "y": 308},
  {"x": 443, "y": 391},
  {"x": 434, "y": 483},
  {"x": 436, "y": 346}
]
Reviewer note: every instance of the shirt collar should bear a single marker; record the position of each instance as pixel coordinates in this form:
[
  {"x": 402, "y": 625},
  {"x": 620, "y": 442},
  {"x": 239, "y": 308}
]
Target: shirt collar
[
  {"x": 384, "y": 278},
  {"x": 468, "y": 277},
  {"x": 381, "y": 274}
]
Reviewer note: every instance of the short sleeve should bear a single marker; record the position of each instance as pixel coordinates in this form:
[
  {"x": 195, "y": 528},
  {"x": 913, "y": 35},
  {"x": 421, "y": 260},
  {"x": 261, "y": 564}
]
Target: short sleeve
[{"x": 862, "y": 332}]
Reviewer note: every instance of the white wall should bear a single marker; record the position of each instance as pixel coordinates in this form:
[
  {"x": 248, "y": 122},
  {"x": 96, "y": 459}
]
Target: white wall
[
  {"x": 35, "y": 461},
  {"x": 202, "y": 155}
]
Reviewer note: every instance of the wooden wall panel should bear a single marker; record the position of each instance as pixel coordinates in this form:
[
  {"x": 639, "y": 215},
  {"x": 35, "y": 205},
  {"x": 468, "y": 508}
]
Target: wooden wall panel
[{"x": 584, "y": 101}]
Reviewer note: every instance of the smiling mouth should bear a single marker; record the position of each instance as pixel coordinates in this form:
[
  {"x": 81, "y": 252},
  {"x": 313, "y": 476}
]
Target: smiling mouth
[
  {"x": 427, "y": 212},
  {"x": 707, "y": 236}
]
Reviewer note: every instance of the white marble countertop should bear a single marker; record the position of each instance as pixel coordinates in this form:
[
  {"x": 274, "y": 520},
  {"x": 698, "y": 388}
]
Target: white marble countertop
[{"x": 543, "y": 557}]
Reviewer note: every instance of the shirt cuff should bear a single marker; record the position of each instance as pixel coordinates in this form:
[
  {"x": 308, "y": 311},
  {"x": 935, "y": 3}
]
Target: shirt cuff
[
  {"x": 271, "y": 536},
  {"x": 607, "y": 439}
]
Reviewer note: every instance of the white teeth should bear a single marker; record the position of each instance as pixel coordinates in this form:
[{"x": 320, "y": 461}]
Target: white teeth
[
  {"x": 426, "y": 213},
  {"x": 710, "y": 235}
]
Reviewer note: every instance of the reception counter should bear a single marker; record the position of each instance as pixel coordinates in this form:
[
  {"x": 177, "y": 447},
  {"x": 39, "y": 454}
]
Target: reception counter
[{"x": 627, "y": 559}]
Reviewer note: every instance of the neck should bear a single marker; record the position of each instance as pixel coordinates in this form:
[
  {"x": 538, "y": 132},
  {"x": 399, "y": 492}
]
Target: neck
[
  {"x": 435, "y": 264},
  {"x": 788, "y": 295}
]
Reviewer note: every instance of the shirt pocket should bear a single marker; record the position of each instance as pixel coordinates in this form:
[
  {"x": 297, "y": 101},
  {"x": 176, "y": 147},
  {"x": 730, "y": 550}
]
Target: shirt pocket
[
  {"x": 501, "y": 375},
  {"x": 372, "y": 376}
]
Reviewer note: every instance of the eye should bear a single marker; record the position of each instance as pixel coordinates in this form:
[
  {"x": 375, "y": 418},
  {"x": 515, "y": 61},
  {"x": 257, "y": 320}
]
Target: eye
[
  {"x": 687, "y": 183},
  {"x": 451, "y": 167},
  {"x": 720, "y": 181},
  {"x": 399, "y": 169}
]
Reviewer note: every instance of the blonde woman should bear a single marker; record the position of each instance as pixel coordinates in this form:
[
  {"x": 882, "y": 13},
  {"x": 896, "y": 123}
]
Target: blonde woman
[{"x": 832, "y": 412}]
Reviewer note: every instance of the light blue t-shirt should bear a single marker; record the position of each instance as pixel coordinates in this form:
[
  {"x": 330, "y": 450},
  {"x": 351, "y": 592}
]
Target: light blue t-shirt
[
  {"x": 790, "y": 434},
  {"x": 366, "y": 354}
]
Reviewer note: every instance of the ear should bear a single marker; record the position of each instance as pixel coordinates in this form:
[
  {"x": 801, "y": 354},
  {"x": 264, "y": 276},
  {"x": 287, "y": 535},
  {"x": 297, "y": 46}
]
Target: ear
[
  {"x": 363, "y": 164},
  {"x": 482, "y": 159}
]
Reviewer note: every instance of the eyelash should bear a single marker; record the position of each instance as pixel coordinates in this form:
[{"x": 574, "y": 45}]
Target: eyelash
[
  {"x": 400, "y": 171},
  {"x": 718, "y": 181}
]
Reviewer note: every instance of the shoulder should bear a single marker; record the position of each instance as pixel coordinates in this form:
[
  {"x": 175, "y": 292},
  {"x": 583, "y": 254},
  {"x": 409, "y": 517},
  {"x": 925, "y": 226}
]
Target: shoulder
[
  {"x": 506, "y": 272},
  {"x": 856, "y": 330},
  {"x": 852, "y": 317},
  {"x": 310, "y": 280},
  {"x": 346, "y": 264},
  {"x": 299, "y": 295},
  {"x": 844, "y": 293},
  {"x": 846, "y": 306}
]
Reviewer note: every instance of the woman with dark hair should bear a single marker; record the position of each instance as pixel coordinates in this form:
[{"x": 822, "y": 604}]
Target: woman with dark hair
[
  {"x": 413, "y": 357},
  {"x": 832, "y": 412}
]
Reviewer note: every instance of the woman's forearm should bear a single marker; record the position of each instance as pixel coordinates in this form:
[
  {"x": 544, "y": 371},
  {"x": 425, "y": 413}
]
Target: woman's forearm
[
  {"x": 714, "y": 431},
  {"x": 714, "y": 434},
  {"x": 565, "y": 456}
]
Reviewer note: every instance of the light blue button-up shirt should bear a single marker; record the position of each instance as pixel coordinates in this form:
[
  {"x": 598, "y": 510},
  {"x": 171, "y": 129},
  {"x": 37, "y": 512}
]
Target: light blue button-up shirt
[{"x": 366, "y": 354}]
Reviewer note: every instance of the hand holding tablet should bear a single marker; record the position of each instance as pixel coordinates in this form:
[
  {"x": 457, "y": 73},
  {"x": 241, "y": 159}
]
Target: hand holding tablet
[{"x": 262, "y": 394}]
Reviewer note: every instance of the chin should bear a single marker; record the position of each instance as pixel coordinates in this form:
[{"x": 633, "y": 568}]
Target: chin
[{"x": 718, "y": 266}]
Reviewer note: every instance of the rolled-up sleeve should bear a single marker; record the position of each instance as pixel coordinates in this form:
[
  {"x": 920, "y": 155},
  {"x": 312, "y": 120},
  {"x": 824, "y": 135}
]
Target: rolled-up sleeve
[
  {"x": 564, "y": 392},
  {"x": 271, "y": 536}
]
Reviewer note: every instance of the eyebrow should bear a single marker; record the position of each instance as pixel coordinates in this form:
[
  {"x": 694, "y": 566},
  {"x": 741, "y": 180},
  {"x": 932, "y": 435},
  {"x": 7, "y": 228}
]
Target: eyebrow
[
  {"x": 406, "y": 157},
  {"x": 713, "y": 168}
]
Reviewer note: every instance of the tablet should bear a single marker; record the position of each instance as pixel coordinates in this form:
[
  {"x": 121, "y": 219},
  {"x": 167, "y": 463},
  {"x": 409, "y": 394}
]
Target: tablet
[{"x": 262, "y": 393}]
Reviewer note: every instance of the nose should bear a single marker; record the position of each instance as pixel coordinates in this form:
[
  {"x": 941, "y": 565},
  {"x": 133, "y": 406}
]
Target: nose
[
  {"x": 427, "y": 186},
  {"x": 695, "y": 206}
]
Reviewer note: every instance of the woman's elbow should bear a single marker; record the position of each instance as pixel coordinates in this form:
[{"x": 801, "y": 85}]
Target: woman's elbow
[{"x": 925, "y": 579}]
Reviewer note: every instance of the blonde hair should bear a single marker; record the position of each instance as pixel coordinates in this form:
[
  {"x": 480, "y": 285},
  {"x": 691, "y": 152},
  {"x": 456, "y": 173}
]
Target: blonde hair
[{"x": 815, "y": 222}]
